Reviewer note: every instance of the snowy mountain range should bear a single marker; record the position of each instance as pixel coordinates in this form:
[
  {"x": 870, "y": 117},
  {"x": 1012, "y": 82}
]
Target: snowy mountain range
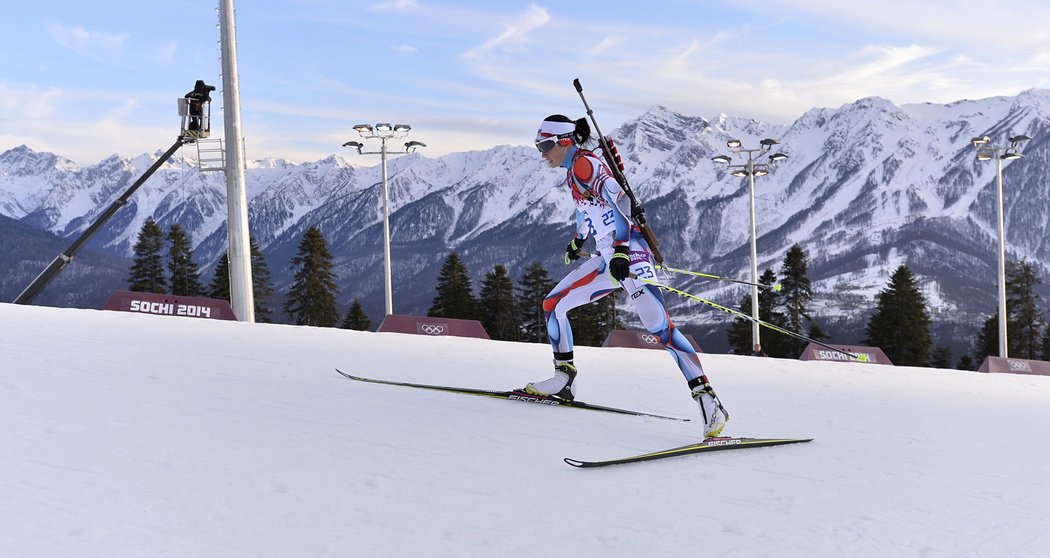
[{"x": 868, "y": 186}]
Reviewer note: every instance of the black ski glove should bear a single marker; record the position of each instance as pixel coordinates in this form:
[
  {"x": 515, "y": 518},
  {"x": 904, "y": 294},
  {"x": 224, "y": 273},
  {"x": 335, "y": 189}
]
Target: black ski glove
[
  {"x": 620, "y": 264},
  {"x": 572, "y": 251}
]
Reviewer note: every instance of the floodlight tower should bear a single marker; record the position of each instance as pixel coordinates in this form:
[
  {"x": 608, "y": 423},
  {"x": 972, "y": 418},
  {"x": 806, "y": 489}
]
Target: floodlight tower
[
  {"x": 751, "y": 169},
  {"x": 384, "y": 131},
  {"x": 986, "y": 152}
]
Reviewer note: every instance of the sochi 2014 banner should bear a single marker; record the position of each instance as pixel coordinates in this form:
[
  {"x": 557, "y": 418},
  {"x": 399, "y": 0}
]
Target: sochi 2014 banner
[
  {"x": 870, "y": 355},
  {"x": 169, "y": 305}
]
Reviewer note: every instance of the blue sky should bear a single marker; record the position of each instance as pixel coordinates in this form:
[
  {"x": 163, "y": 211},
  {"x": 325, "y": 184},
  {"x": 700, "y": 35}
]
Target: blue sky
[{"x": 89, "y": 79}]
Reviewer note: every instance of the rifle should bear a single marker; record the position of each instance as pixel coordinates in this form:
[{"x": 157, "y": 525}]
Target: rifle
[{"x": 615, "y": 163}]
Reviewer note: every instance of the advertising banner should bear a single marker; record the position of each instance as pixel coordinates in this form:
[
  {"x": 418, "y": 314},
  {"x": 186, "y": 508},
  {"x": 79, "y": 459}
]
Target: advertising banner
[
  {"x": 425, "y": 325},
  {"x": 869, "y": 355},
  {"x": 169, "y": 305}
]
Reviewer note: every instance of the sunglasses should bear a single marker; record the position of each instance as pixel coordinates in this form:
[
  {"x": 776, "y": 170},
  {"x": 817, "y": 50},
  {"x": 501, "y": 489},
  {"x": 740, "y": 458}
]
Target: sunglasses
[{"x": 546, "y": 144}]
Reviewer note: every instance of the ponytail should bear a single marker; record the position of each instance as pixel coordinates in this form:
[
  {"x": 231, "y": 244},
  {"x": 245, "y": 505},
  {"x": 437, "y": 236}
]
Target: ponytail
[
  {"x": 563, "y": 126},
  {"x": 583, "y": 131}
]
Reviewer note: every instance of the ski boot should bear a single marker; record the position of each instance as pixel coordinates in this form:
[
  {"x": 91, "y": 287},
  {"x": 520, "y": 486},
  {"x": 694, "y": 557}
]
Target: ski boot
[
  {"x": 711, "y": 409},
  {"x": 560, "y": 385}
]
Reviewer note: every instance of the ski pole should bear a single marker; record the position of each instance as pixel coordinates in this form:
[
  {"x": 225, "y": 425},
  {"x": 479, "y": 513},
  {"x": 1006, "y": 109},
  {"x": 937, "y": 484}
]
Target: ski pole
[
  {"x": 775, "y": 288},
  {"x": 788, "y": 332},
  {"x": 860, "y": 358}
]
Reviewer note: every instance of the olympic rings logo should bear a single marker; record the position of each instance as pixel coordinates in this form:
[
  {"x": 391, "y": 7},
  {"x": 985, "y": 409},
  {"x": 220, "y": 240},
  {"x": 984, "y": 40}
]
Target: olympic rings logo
[
  {"x": 432, "y": 329},
  {"x": 1019, "y": 366},
  {"x": 650, "y": 339}
]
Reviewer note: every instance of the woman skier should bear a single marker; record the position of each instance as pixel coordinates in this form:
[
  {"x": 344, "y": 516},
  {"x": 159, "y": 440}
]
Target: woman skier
[{"x": 623, "y": 260}]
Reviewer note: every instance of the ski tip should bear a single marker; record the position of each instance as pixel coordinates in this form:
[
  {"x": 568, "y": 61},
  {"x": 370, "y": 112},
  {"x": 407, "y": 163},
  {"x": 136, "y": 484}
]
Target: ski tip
[
  {"x": 345, "y": 375},
  {"x": 574, "y": 462}
]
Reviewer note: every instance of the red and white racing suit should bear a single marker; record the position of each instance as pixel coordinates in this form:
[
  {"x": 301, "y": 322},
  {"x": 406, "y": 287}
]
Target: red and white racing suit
[{"x": 603, "y": 211}]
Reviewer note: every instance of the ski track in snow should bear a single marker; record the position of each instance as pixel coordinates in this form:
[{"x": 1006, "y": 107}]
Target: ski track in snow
[{"x": 135, "y": 435}]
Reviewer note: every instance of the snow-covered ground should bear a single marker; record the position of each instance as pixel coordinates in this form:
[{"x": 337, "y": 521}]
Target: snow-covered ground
[{"x": 135, "y": 435}]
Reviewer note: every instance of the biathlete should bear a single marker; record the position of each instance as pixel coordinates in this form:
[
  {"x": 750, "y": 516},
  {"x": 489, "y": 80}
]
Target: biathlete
[{"x": 603, "y": 211}]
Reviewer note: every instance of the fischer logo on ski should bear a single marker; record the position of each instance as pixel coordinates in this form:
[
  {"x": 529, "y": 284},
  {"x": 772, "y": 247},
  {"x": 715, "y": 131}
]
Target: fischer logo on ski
[
  {"x": 515, "y": 396},
  {"x": 723, "y": 441}
]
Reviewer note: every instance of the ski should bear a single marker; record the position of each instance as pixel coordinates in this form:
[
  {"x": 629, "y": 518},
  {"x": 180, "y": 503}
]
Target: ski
[
  {"x": 513, "y": 395},
  {"x": 710, "y": 444}
]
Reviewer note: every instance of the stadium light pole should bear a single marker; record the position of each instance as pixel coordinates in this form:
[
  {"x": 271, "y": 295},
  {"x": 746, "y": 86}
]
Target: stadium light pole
[
  {"x": 751, "y": 169},
  {"x": 987, "y": 152},
  {"x": 383, "y": 132}
]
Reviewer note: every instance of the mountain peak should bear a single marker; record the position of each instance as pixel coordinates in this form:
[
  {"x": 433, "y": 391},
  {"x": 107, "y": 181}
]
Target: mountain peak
[
  {"x": 660, "y": 128},
  {"x": 873, "y": 103},
  {"x": 661, "y": 115},
  {"x": 1034, "y": 97},
  {"x": 740, "y": 127},
  {"x": 659, "y": 111},
  {"x": 17, "y": 151},
  {"x": 23, "y": 161}
]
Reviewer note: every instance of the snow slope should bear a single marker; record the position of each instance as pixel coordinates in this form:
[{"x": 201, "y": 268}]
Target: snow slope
[{"x": 135, "y": 435}]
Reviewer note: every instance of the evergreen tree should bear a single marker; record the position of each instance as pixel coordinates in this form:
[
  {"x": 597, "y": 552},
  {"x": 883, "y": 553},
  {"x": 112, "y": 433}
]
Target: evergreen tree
[
  {"x": 262, "y": 284},
  {"x": 796, "y": 289},
  {"x": 185, "y": 275},
  {"x": 941, "y": 357},
  {"x": 147, "y": 268},
  {"x": 356, "y": 318},
  {"x": 795, "y": 295},
  {"x": 988, "y": 339},
  {"x": 815, "y": 333},
  {"x": 1025, "y": 323},
  {"x": 1046, "y": 345},
  {"x": 965, "y": 363},
  {"x": 499, "y": 309},
  {"x": 900, "y": 325},
  {"x": 592, "y": 323},
  {"x": 740, "y": 331},
  {"x": 311, "y": 300},
  {"x": 220, "y": 282},
  {"x": 455, "y": 295},
  {"x": 535, "y": 284},
  {"x": 774, "y": 344}
]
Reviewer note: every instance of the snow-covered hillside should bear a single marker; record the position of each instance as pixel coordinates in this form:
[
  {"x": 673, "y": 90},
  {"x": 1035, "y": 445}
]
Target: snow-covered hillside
[{"x": 135, "y": 435}]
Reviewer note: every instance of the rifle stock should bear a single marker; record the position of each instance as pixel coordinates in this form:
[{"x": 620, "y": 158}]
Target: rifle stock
[{"x": 615, "y": 164}]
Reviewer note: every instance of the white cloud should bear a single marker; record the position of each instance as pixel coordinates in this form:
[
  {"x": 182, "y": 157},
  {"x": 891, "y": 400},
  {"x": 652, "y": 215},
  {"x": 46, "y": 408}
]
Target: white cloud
[
  {"x": 395, "y": 6},
  {"x": 514, "y": 33},
  {"x": 169, "y": 50},
  {"x": 965, "y": 22},
  {"x": 517, "y": 60},
  {"x": 122, "y": 111},
  {"x": 20, "y": 103},
  {"x": 79, "y": 140},
  {"x": 55, "y": 120},
  {"x": 605, "y": 45},
  {"x": 93, "y": 44}
]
